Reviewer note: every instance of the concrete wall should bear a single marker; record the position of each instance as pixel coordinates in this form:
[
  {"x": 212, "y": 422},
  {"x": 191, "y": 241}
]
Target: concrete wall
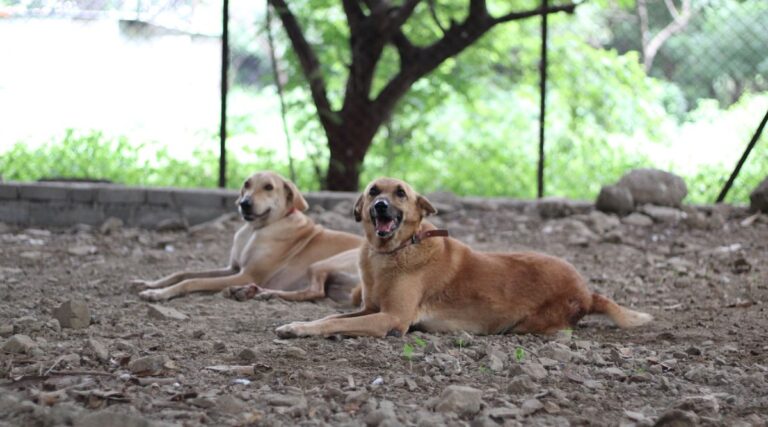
[{"x": 66, "y": 204}]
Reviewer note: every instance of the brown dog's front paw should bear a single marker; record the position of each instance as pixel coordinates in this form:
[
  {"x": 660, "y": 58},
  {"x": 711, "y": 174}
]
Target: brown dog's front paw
[
  {"x": 139, "y": 284},
  {"x": 291, "y": 330},
  {"x": 152, "y": 295},
  {"x": 244, "y": 293}
]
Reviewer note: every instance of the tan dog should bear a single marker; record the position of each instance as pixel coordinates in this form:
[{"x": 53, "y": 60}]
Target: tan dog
[
  {"x": 413, "y": 276},
  {"x": 278, "y": 251}
]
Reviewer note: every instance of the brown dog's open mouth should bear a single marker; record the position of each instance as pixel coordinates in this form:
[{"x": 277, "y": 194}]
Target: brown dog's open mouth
[{"x": 386, "y": 226}]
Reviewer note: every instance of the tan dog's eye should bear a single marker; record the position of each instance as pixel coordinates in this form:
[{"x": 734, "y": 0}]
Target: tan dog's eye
[
  {"x": 400, "y": 193},
  {"x": 269, "y": 187},
  {"x": 374, "y": 191}
]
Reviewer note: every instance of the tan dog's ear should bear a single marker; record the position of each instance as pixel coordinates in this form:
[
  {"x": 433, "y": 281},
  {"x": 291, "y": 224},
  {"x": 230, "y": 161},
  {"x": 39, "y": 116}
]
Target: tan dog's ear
[
  {"x": 358, "y": 209},
  {"x": 294, "y": 196},
  {"x": 426, "y": 207}
]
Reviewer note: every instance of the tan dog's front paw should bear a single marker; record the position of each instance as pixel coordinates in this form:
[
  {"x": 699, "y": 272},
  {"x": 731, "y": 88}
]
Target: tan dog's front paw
[
  {"x": 140, "y": 284},
  {"x": 153, "y": 295},
  {"x": 244, "y": 293},
  {"x": 292, "y": 330}
]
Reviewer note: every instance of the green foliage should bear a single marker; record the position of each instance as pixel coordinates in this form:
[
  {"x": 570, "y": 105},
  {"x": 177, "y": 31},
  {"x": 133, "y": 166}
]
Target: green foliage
[
  {"x": 408, "y": 351},
  {"x": 519, "y": 354}
]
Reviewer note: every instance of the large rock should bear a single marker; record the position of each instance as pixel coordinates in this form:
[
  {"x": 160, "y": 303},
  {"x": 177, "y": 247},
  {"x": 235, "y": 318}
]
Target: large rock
[
  {"x": 73, "y": 314},
  {"x": 555, "y": 207},
  {"x": 462, "y": 400},
  {"x": 148, "y": 365},
  {"x": 655, "y": 187},
  {"x": 615, "y": 199},
  {"x": 758, "y": 199}
]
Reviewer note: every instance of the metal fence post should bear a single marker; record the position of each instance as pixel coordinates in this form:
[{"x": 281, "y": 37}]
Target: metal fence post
[
  {"x": 743, "y": 159},
  {"x": 543, "y": 95},
  {"x": 224, "y": 87}
]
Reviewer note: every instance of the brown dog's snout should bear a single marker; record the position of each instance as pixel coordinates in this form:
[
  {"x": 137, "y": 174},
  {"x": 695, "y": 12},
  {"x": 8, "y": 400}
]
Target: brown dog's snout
[{"x": 381, "y": 205}]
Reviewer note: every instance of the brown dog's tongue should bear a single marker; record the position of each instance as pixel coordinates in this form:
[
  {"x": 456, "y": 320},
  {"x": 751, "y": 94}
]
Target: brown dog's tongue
[{"x": 384, "y": 225}]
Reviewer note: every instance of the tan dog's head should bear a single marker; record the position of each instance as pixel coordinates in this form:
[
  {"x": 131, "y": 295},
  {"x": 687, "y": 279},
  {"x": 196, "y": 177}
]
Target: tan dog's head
[
  {"x": 267, "y": 197},
  {"x": 391, "y": 211}
]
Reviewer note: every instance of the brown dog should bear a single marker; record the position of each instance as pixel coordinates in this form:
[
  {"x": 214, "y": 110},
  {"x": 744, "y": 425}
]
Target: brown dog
[
  {"x": 415, "y": 276},
  {"x": 278, "y": 251}
]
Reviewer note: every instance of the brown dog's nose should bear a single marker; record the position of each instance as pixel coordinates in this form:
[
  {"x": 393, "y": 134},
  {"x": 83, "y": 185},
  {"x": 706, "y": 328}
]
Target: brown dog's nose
[{"x": 381, "y": 205}]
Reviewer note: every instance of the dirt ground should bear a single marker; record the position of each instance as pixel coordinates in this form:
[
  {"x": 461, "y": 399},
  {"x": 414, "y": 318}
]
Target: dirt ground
[{"x": 704, "y": 360}]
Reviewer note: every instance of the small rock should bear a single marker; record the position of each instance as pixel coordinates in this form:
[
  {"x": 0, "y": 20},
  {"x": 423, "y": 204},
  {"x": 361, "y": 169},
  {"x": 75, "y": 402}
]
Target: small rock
[
  {"x": 219, "y": 347},
  {"x": 693, "y": 351},
  {"x": 460, "y": 399},
  {"x": 557, "y": 351},
  {"x": 521, "y": 384},
  {"x": 111, "y": 225},
  {"x": 6, "y": 330},
  {"x": 82, "y": 250},
  {"x": 295, "y": 352},
  {"x": 286, "y": 400},
  {"x": 99, "y": 350},
  {"x": 73, "y": 314},
  {"x": 231, "y": 405},
  {"x": 677, "y": 418},
  {"x": 530, "y": 406},
  {"x": 655, "y": 187},
  {"x": 602, "y": 223},
  {"x": 706, "y": 405},
  {"x": 162, "y": 312},
  {"x": 614, "y": 372},
  {"x": 501, "y": 414},
  {"x": 534, "y": 370},
  {"x": 615, "y": 199},
  {"x": 637, "y": 219},
  {"x": 112, "y": 419},
  {"x": 663, "y": 214},
  {"x": 758, "y": 199},
  {"x": 385, "y": 412},
  {"x": 19, "y": 344},
  {"x": 171, "y": 224},
  {"x": 495, "y": 363},
  {"x": 148, "y": 365},
  {"x": 248, "y": 355}
]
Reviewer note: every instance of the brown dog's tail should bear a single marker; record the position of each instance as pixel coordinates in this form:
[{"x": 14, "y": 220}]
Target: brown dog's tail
[
  {"x": 622, "y": 316},
  {"x": 356, "y": 296}
]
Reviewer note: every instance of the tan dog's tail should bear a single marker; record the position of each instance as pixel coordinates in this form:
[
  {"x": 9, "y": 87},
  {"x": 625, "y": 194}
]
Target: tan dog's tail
[
  {"x": 357, "y": 295},
  {"x": 622, "y": 316}
]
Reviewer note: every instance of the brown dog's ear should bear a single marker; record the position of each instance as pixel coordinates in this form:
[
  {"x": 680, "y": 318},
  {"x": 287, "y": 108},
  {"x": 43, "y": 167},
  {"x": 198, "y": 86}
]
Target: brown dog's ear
[
  {"x": 358, "y": 209},
  {"x": 294, "y": 196},
  {"x": 426, "y": 207}
]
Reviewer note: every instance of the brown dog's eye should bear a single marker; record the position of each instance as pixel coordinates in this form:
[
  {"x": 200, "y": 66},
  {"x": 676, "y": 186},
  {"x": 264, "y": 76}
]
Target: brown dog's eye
[
  {"x": 374, "y": 191},
  {"x": 247, "y": 184},
  {"x": 269, "y": 187},
  {"x": 400, "y": 193}
]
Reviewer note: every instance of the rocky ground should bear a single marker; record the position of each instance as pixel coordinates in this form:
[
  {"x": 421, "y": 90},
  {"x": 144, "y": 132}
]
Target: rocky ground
[{"x": 79, "y": 347}]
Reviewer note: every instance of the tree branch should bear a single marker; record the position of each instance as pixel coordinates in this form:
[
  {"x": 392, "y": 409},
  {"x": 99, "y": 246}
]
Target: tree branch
[
  {"x": 433, "y": 13},
  {"x": 514, "y": 16},
  {"x": 354, "y": 14},
  {"x": 680, "y": 20},
  {"x": 310, "y": 65}
]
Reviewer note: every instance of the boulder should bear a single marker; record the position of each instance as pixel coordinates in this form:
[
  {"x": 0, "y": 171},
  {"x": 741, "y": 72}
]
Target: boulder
[
  {"x": 758, "y": 199},
  {"x": 615, "y": 199},
  {"x": 654, "y": 186}
]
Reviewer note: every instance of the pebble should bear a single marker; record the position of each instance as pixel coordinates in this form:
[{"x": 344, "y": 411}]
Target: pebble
[
  {"x": 385, "y": 413},
  {"x": 706, "y": 405},
  {"x": 82, "y": 250},
  {"x": 99, "y": 350},
  {"x": 73, "y": 314},
  {"x": 663, "y": 214},
  {"x": 6, "y": 330},
  {"x": 534, "y": 370},
  {"x": 295, "y": 352},
  {"x": 248, "y": 355},
  {"x": 495, "y": 363},
  {"x": 113, "y": 419},
  {"x": 148, "y": 365},
  {"x": 462, "y": 400},
  {"x": 531, "y": 406},
  {"x": 111, "y": 225},
  {"x": 521, "y": 384},
  {"x": 161, "y": 312},
  {"x": 231, "y": 405}
]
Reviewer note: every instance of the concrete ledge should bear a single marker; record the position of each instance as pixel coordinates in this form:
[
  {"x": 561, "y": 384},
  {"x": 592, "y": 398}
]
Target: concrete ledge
[{"x": 66, "y": 204}]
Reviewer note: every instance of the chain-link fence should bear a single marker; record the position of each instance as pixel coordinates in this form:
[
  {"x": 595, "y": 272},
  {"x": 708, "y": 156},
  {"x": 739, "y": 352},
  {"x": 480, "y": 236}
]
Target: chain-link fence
[{"x": 446, "y": 94}]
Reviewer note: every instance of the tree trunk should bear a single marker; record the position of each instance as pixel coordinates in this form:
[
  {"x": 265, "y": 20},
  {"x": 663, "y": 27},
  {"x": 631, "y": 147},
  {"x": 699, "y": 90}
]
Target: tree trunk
[{"x": 348, "y": 142}]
